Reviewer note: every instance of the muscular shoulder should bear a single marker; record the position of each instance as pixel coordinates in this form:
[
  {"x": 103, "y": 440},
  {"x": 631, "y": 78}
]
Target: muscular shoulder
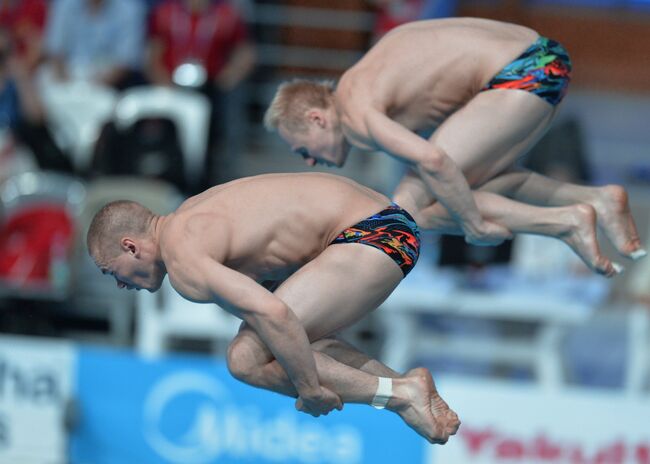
[
  {"x": 194, "y": 235},
  {"x": 193, "y": 245},
  {"x": 204, "y": 223}
]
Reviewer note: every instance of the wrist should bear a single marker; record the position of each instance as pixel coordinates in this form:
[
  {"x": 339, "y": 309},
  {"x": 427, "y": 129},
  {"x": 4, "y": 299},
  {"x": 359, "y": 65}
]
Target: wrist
[{"x": 309, "y": 392}]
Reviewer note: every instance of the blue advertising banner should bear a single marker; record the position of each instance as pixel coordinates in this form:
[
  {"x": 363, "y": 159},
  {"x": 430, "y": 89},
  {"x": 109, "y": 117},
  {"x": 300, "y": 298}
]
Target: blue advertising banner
[{"x": 189, "y": 410}]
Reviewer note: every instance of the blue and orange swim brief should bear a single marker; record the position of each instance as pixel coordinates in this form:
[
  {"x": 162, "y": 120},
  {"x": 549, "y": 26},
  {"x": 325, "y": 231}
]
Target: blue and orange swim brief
[
  {"x": 543, "y": 69},
  {"x": 391, "y": 230}
]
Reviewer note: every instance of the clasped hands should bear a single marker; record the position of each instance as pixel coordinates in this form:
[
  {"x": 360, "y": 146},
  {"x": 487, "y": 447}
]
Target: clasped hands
[
  {"x": 320, "y": 402},
  {"x": 486, "y": 233}
]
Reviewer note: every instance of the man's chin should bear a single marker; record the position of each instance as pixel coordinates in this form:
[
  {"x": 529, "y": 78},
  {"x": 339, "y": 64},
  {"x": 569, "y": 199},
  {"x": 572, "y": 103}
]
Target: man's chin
[
  {"x": 154, "y": 288},
  {"x": 342, "y": 159}
]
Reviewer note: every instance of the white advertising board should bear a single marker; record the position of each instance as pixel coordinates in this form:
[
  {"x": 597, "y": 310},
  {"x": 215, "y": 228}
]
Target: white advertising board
[
  {"x": 36, "y": 378},
  {"x": 518, "y": 423}
]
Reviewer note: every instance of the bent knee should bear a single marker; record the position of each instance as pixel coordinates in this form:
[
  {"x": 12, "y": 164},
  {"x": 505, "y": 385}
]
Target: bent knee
[{"x": 243, "y": 360}]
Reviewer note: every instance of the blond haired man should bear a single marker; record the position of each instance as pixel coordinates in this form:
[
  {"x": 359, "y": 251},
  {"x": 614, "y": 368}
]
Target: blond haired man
[{"x": 488, "y": 90}]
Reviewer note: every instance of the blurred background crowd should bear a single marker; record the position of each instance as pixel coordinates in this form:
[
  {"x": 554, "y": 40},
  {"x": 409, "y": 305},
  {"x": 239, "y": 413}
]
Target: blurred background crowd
[{"x": 156, "y": 100}]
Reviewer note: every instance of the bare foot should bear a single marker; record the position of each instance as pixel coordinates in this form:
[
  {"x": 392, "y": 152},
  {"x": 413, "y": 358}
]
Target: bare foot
[
  {"x": 443, "y": 414},
  {"x": 580, "y": 235},
  {"x": 616, "y": 221},
  {"x": 412, "y": 401}
]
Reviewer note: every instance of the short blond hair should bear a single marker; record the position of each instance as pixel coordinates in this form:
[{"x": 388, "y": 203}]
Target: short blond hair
[
  {"x": 115, "y": 219},
  {"x": 293, "y": 99}
]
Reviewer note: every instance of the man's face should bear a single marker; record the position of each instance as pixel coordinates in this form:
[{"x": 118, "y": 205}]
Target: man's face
[
  {"x": 133, "y": 271},
  {"x": 318, "y": 145}
]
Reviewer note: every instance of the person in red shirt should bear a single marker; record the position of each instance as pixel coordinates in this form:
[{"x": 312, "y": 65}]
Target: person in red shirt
[
  {"x": 22, "y": 24},
  {"x": 25, "y": 21},
  {"x": 210, "y": 36}
]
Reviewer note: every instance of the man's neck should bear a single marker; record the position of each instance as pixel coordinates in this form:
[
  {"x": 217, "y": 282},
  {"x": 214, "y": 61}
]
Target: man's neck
[{"x": 156, "y": 227}]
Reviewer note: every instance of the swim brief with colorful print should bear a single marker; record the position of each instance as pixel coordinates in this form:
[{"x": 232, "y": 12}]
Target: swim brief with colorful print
[
  {"x": 391, "y": 230},
  {"x": 543, "y": 69}
]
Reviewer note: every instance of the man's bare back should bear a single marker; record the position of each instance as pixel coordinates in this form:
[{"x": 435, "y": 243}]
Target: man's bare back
[
  {"x": 258, "y": 226},
  {"x": 420, "y": 86}
]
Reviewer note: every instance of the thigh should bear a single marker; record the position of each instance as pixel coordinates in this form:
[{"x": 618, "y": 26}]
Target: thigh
[
  {"x": 339, "y": 287},
  {"x": 492, "y": 131}
]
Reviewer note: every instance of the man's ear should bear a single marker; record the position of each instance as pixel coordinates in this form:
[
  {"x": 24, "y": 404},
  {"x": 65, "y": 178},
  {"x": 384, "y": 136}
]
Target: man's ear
[
  {"x": 317, "y": 116},
  {"x": 129, "y": 246}
]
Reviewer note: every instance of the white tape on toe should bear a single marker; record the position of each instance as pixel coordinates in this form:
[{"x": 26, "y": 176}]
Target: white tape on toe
[
  {"x": 384, "y": 392},
  {"x": 638, "y": 254},
  {"x": 618, "y": 268}
]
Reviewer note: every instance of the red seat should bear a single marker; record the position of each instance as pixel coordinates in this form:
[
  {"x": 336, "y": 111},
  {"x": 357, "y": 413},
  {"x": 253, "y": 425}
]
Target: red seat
[{"x": 35, "y": 244}]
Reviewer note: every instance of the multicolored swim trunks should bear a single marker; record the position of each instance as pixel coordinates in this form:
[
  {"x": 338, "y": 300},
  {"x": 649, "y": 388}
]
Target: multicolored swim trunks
[
  {"x": 543, "y": 69},
  {"x": 391, "y": 230}
]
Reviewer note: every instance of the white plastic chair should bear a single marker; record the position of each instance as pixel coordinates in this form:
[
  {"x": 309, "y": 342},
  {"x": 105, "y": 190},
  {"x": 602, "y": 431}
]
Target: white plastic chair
[
  {"x": 188, "y": 110},
  {"x": 42, "y": 187},
  {"x": 76, "y": 111}
]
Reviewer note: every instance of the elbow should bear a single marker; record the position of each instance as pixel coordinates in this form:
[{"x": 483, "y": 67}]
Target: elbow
[
  {"x": 273, "y": 314},
  {"x": 433, "y": 162},
  {"x": 278, "y": 311}
]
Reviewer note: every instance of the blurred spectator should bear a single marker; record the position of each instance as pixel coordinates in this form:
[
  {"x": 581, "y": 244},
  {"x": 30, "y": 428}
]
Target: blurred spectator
[
  {"x": 150, "y": 4},
  {"x": 21, "y": 112},
  {"x": 201, "y": 44},
  {"x": 97, "y": 40},
  {"x": 10, "y": 104},
  {"x": 25, "y": 21}
]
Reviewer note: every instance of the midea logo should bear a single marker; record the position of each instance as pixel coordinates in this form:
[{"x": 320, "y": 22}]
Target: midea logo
[
  {"x": 220, "y": 427},
  {"x": 200, "y": 442}
]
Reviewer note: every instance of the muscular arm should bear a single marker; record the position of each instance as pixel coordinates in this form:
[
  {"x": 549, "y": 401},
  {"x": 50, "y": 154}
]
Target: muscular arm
[
  {"x": 413, "y": 195},
  {"x": 269, "y": 316},
  {"x": 441, "y": 175}
]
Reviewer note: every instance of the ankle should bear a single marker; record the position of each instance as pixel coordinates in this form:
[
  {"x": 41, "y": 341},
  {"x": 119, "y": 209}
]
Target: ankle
[
  {"x": 400, "y": 397},
  {"x": 384, "y": 392}
]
